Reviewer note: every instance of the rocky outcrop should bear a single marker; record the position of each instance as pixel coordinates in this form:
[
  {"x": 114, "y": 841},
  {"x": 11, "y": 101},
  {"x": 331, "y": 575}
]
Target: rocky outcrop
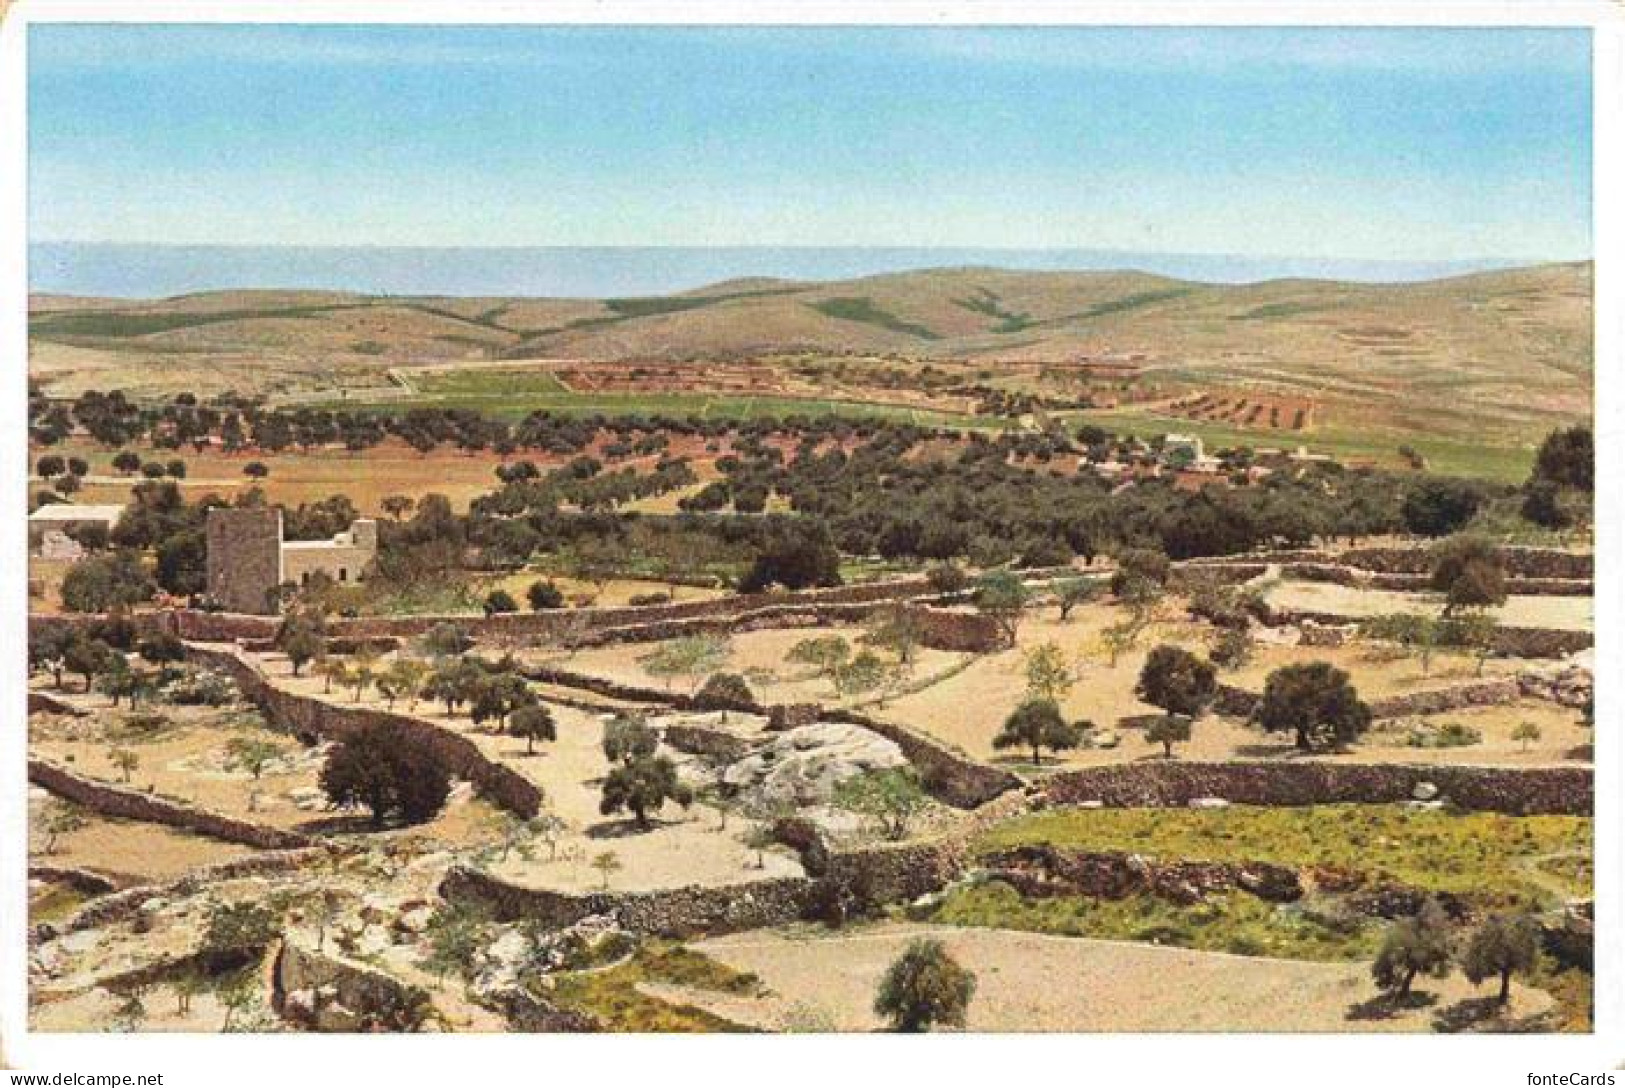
[
  {"x": 123, "y": 904},
  {"x": 323, "y": 992},
  {"x": 950, "y": 776},
  {"x": 803, "y": 766},
  {"x": 1569, "y": 683}
]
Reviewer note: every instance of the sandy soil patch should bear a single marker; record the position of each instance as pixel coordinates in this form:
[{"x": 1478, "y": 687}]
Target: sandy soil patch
[
  {"x": 760, "y": 656},
  {"x": 1565, "y": 613},
  {"x": 130, "y": 851},
  {"x": 968, "y": 708},
  {"x": 188, "y": 759},
  {"x": 681, "y": 848},
  {"x": 1034, "y": 982}
]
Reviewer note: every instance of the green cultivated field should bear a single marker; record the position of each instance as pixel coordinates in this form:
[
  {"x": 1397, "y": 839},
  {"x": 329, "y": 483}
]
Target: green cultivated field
[
  {"x": 514, "y": 394},
  {"x": 1448, "y": 456}
]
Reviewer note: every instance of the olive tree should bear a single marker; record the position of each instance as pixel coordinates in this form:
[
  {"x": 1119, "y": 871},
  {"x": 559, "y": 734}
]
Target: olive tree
[
  {"x": 1315, "y": 702},
  {"x": 924, "y": 988}
]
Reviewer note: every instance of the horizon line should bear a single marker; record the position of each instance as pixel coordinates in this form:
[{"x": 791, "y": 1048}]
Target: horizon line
[{"x": 1522, "y": 259}]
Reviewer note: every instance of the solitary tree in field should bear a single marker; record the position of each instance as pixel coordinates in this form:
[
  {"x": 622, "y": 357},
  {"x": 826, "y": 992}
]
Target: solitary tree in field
[
  {"x": 1038, "y": 724},
  {"x": 865, "y": 672},
  {"x": 826, "y": 653},
  {"x": 497, "y": 695},
  {"x": 533, "y": 722},
  {"x": 90, "y": 657},
  {"x": 890, "y": 798},
  {"x": 1072, "y": 592},
  {"x": 1527, "y": 733},
  {"x": 924, "y": 988},
  {"x": 126, "y": 761},
  {"x": 1002, "y": 595},
  {"x": 544, "y": 596},
  {"x": 1315, "y": 702},
  {"x": 1503, "y": 945},
  {"x": 628, "y": 737},
  {"x": 60, "y": 821},
  {"x": 499, "y": 601},
  {"x": 1469, "y": 571},
  {"x": 252, "y": 754},
  {"x": 642, "y": 786},
  {"x": 1232, "y": 649},
  {"x": 691, "y": 656},
  {"x": 898, "y": 630},
  {"x": 402, "y": 678},
  {"x": 387, "y": 771},
  {"x": 723, "y": 690},
  {"x": 1418, "y": 945},
  {"x": 1177, "y": 681},
  {"x": 1048, "y": 674},
  {"x": 1169, "y": 730},
  {"x": 302, "y": 646},
  {"x": 607, "y": 864}
]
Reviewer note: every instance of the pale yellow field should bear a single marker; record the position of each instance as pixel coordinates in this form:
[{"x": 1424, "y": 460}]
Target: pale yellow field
[{"x": 1033, "y": 982}]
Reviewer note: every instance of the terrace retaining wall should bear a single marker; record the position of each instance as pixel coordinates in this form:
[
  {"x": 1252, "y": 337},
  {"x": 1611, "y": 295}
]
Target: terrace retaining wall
[
  {"x": 951, "y": 777},
  {"x": 310, "y": 716},
  {"x": 1528, "y": 642},
  {"x": 1532, "y": 791},
  {"x": 852, "y": 880},
  {"x": 1237, "y": 702},
  {"x": 121, "y": 904},
  {"x": 128, "y": 804}
]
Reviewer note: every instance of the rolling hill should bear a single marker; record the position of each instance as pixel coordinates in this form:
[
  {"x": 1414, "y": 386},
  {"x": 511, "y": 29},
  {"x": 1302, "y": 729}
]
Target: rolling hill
[{"x": 1494, "y": 357}]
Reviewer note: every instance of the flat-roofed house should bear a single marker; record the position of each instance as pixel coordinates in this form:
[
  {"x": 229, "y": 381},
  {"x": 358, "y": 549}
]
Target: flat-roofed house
[{"x": 51, "y": 527}]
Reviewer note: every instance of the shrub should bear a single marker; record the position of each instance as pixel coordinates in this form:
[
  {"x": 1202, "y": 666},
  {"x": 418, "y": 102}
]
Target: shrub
[
  {"x": 499, "y": 601},
  {"x": 544, "y": 596}
]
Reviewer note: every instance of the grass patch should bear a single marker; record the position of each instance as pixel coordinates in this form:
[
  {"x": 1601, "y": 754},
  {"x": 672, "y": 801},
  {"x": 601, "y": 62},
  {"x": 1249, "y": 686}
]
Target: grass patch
[
  {"x": 1272, "y": 310},
  {"x": 864, "y": 310},
  {"x": 988, "y": 304},
  {"x": 119, "y": 324},
  {"x": 1236, "y": 922},
  {"x": 1131, "y": 302},
  {"x": 488, "y": 383},
  {"x": 518, "y": 405},
  {"x": 1482, "y": 856},
  {"x": 612, "y": 996}
]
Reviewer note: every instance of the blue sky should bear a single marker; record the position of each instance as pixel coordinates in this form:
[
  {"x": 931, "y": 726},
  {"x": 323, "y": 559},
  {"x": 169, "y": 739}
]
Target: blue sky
[{"x": 1404, "y": 144}]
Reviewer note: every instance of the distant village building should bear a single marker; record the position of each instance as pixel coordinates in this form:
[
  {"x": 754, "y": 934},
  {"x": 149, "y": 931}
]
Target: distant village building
[
  {"x": 51, "y": 527},
  {"x": 1185, "y": 453},
  {"x": 248, "y": 559}
]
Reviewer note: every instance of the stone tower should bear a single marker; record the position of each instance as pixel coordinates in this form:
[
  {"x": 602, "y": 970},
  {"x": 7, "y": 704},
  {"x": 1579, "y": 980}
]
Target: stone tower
[{"x": 244, "y": 557}]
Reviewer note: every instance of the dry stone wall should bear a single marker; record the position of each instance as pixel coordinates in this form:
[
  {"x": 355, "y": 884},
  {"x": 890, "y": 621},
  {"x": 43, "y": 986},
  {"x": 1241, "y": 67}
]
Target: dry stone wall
[
  {"x": 309, "y": 716},
  {"x": 1564, "y": 791},
  {"x": 851, "y": 881},
  {"x": 951, "y": 777},
  {"x": 1237, "y": 702},
  {"x": 127, "y": 804}
]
